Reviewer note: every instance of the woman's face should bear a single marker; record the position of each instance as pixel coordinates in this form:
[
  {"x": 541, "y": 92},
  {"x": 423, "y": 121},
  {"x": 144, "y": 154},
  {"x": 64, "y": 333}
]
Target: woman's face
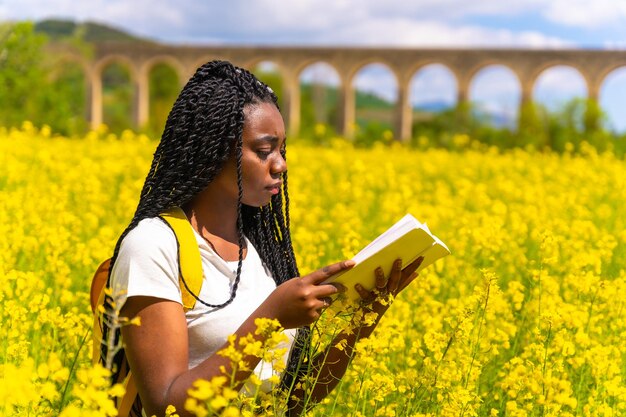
[{"x": 262, "y": 164}]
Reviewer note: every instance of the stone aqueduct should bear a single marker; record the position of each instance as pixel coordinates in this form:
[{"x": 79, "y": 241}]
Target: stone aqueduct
[{"x": 527, "y": 65}]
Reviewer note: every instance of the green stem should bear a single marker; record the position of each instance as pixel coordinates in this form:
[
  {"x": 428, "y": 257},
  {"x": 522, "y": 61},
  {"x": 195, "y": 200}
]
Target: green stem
[
  {"x": 69, "y": 377},
  {"x": 477, "y": 344},
  {"x": 543, "y": 369}
]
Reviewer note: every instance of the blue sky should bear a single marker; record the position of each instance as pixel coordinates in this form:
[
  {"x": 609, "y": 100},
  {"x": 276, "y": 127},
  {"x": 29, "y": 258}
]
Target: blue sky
[
  {"x": 524, "y": 23},
  {"x": 400, "y": 23}
]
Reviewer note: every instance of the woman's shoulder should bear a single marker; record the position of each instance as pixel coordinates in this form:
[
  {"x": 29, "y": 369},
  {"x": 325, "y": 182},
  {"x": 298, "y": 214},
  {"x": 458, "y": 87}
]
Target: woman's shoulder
[
  {"x": 147, "y": 262},
  {"x": 150, "y": 234}
]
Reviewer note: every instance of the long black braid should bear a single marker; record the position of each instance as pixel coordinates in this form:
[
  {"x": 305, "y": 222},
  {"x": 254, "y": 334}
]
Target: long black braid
[{"x": 203, "y": 129}]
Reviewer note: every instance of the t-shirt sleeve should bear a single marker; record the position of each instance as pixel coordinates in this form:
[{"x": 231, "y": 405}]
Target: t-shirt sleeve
[{"x": 147, "y": 263}]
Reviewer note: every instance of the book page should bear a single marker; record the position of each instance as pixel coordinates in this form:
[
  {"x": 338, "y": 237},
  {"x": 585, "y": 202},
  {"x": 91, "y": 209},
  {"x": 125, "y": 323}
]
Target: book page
[
  {"x": 407, "y": 240},
  {"x": 401, "y": 227},
  {"x": 407, "y": 248}
]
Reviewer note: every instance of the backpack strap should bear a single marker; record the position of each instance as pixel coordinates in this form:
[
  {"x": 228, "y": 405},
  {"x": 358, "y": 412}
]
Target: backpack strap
[
  {"x": 190, "y": 273},
  {"x": 125, "y": 404},
  {"x": 98, "y": 284},
  {"x": 190, "y": 277}
]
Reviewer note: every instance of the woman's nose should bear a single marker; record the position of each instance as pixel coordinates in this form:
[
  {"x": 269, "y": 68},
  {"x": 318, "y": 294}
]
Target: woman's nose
[{"x": 279, "y": 165}]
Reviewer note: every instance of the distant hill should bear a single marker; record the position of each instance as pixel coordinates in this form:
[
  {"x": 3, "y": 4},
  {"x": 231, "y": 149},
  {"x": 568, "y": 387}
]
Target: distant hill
[
  {"x": 88, "y": 31},
  {"x": 364, "y": 98},
  {"x": 433, "y": 106},
  {"x": 373, "y": 101},
  {"x": 499, "y": 120}
]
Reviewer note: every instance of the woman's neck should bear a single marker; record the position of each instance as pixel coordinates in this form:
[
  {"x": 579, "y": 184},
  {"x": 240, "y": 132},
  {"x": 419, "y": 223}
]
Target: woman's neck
[
  {"x": 215, "y": 219},
  {"x": 215, "y": 216}
]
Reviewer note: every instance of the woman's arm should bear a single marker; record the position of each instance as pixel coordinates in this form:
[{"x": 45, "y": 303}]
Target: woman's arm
[
  {"x": 157, "y": 350},
  {"x": 330, "y": 366}
]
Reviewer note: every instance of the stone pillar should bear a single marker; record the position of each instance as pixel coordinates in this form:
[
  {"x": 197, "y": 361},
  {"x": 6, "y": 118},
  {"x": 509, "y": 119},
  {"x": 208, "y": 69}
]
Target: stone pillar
[
  {"x": 141, "y": 108},
  {"x": 594, "y": 91},
  {"x": 291, "y": 97},
  {"x": 463, "y": 91},
  {"x": 94, "y": 99},
  {"x": 463, "y": 115},
  {"x": 593, "y": 112},
  {"x": 527, "y": 120},
  {"x": 526, "y": 114},
  {"x": 527, "y": 92},
  {"x": 404, "y": 113},
  {"x": 347, "y": 108}
]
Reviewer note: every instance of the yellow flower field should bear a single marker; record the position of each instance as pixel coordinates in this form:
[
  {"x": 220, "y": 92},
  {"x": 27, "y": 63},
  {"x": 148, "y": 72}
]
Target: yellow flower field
[{"x": 527, "y": 317}]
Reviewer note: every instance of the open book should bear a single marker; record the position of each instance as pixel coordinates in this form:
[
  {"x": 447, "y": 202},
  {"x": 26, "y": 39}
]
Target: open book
[{"x": 407, "y": 239}]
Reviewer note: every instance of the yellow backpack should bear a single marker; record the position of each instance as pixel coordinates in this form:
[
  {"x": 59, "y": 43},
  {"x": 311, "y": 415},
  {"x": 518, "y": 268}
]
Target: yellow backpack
[{"x": 190, "y": 280}]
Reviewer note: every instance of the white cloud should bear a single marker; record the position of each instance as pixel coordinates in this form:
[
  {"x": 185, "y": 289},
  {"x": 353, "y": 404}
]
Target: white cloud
[
  {"x": 377, "y": 79},
  {"x": 139, "y": 16},
  {"x": 368, "y": 22},
  {"x": 320, "y": 73},
  {"x": 614, "y": 44},
  {"x": 451, "y": 9},
  {"x": 396, "y": 22},
  {"x": 496, "y": 91},
  {"x": 495, "y": 81},
  {"x": 558, "y": 85},
  {"x": 612, "y": 99},
  {"x": 433, "y": 83},
  {"x": 585, "y": 13},
  {"x": 267, "y": 66},
  {"x": 301, "y": 15},
  {"x": 577, "y": 13},
  {"x": 561, "y": 78},
  {"x": 407, "y": 32}
]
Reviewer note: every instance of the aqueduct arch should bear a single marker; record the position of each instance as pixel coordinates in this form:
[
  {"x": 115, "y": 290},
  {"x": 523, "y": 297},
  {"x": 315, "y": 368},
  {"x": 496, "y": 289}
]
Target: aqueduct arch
[
  {"x": 312, "y": 65},
  {"x": 594, "y": 65}
]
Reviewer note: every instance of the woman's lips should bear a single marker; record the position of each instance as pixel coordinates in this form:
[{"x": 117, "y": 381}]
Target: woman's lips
[{"x": 274, "y": 189}]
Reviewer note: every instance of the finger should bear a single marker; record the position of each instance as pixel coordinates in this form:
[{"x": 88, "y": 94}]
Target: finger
[
  {"x": 409, "y": 273},
  {"x": 328, "y": 271},
  {"x": 412, "y": 267},
  {"x": 365, "y": 295},
  {"x": 323, "y": 304},
  {"x": 406, "y": 281},
  {"x": 324, "y": 290},
  {"x": 381, "y": 280},
  {"x": 326, "y": 302},
  {"x": 394, "y": 278},
  {"x": 340, "y": 287}
]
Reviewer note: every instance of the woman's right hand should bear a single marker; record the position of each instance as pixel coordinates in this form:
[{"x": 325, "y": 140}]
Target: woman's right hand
[{"x": 300, "y": 301}]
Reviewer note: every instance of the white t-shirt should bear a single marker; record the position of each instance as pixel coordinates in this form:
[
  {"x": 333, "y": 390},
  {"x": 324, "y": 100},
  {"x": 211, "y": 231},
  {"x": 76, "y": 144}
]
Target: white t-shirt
[{"x": 147, "y": 265}]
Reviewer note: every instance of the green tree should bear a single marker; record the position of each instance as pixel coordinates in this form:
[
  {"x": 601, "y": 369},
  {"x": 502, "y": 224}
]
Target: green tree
[
  {"x": 117, "y": 97},
  {"x": 274, "y": 80},
  {"x": 37, "y": 86},
  {"x": 164, "y": 88},
  {"x": 530, "y": 127},
  {"x": 22, "y": 74}
]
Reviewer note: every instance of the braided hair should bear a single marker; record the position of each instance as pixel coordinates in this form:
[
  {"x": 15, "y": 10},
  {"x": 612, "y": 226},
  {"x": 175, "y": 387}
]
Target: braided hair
[{"x": 203, "y": 129}]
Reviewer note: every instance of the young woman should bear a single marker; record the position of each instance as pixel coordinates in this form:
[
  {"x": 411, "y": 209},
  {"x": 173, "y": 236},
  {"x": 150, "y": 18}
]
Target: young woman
[{"x": 222, "y": 160}]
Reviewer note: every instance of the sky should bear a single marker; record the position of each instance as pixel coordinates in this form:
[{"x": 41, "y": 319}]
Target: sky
[{"x": 542, "y": 24}]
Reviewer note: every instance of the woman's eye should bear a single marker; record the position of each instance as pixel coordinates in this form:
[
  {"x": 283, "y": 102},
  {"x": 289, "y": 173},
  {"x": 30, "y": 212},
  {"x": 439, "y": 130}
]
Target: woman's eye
[{"x": 263, "y": 153}]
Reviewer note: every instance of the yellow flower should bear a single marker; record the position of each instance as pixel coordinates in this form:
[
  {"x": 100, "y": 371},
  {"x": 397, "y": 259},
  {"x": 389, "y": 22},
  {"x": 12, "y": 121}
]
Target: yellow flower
[{"x": 525, "y": 317}]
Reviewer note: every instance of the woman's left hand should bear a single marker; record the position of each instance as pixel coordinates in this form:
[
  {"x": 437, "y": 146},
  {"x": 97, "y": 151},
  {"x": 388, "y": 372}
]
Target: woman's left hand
[{"x": 390, "y": 285}]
